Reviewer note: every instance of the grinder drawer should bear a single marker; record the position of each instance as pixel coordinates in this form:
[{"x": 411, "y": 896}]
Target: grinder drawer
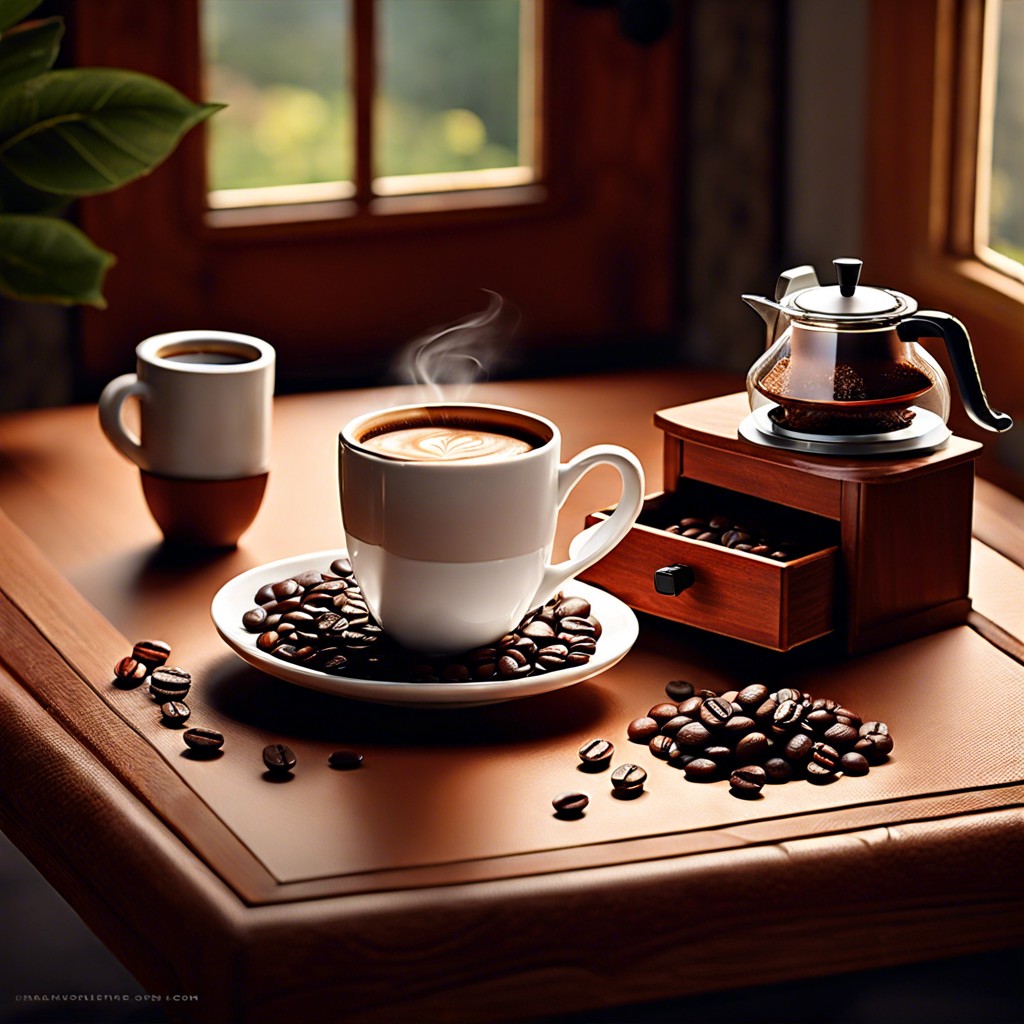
[{"x": 752, "y": 597}]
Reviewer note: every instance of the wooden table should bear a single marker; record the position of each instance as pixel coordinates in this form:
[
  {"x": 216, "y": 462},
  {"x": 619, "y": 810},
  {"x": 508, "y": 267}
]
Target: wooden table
[{"x": 435, "y": 883}]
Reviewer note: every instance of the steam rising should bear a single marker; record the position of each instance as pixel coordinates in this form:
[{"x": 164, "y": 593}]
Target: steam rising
[{"x": 446, "y": 364}]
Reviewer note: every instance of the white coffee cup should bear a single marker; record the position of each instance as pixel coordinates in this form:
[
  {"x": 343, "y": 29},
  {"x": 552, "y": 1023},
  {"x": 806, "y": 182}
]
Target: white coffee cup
[
  {"x": 203, "y": 446},
  {"x": 451, "y": 553}
]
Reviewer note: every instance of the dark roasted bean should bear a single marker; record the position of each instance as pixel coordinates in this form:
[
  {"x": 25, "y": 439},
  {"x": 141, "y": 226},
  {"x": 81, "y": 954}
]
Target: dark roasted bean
[
  {"x": 765, "y": 712},
  {"x": 673, "y": 725},
  {"x": 661, "y": 746},
  {"x": 778, "y": 770},
  {"x": 170, "y": 683},
  {"x": 879, "y": 728},
  {"x": 279, "y": 758},
  {"x": 798, "y": 748},
  {"x": 573, "y": 608},
  {"x": 152, "y": 653},
  {"x": 787, "y": 716},
  {"x": 693, "y": 736},
  {"x": 788, "y": 693},
  {"x": 570, "y": 805},
  {"x": 267, "y": 641},
  {"x": 341, "y": 567},
  {"x": 265, "y": 595},
  {"x": 848, "y": 717},
  {"x": 691, "y": 706},
  {"x": 701, "y": 769},
  {"x": 719, "y": 753},
  {"x": 307, "y": 579},
  {"x": 824, "y": 755},
  {"x": 203, "y": 740},
  {"x": 597, "y": 752},
  {"x": 715, "y": 712},
  {"x": 661, "y": 713},
  {"x": 130, "y": 671},
  {"x": 738, "y": 725},
  {"x": 852, "y": 763},
  {"x": 175, "y": 712},
  {"x": 819, "y": 773},
  {"x": 679, "y": 690},
  {"x": 254, "y": 618},
  {"x": 345, "y": 760},
  {"x": 875, "y": 746},
  {"x": 747, "y": 781},
  {"x": 840, "y": 735},
  {"x": 628, "y": 776},
  {"x": 284, "y": 589},
  {"x": 751, "y": 748}
]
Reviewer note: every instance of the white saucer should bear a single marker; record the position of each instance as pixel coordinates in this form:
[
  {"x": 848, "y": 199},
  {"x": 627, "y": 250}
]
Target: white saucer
[{"x": 619, "y": 633}]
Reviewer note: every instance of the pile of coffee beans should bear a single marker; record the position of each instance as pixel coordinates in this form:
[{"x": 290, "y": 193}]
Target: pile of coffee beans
[
  {"x": 756, "y": 736},
  {"x": 321, "y": 620},
  {"x": 733, "y": 533}
]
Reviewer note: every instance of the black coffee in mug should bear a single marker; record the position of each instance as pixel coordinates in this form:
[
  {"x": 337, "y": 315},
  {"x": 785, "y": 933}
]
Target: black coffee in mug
[{"x": 213, "y": 354}]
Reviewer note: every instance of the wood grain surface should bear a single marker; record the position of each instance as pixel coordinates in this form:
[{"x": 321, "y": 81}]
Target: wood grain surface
[{"x": 435, "y": 882}]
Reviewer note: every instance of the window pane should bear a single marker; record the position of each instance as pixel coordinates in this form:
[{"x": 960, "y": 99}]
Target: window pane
[
  {"x": 283, "y": 68},
  {"x": 452, "y": 79},
  {"x": 1006, "y": 202}
]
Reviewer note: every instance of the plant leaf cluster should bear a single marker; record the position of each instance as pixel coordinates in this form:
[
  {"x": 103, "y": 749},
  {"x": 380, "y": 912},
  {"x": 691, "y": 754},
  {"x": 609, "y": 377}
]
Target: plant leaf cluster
[{"x": 68, "y": 133}]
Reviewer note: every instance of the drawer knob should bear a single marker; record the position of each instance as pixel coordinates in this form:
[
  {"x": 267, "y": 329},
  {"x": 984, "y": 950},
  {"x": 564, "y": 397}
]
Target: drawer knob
[{"x": 673, "y": 579}]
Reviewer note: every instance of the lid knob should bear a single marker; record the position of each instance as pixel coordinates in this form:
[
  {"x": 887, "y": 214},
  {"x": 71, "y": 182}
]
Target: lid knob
[{"x": 848, "y": 272}]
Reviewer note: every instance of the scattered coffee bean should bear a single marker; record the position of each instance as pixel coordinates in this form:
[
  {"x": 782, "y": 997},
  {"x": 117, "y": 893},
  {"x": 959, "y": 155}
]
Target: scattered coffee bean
[
  {"x": 345, "y": 760},
  {"x": 570, "y": 805},
  {"x": 748, "y": 781},
  {"x": 629, "y": 777},
  {"x": 152, "y": 653},
  {"x": 203, "y": 740},
  {"x": 596, "y": 753},
  {"x": 170, "y": 683},
  {"x": 175, "y": 712},
  {"x": 130, "y": 670},
  {"x": 853, "y": 763},
  {"x": 279, "y": 758},
  {"x": 678, "y": 689}
]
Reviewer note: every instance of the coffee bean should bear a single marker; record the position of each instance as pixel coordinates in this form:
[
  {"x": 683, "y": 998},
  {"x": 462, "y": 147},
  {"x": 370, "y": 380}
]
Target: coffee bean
[
  {"x": 765, "y": 712},
  {"x": 661, "y": 713},
  {"x": 761, "y": 549},
  {"x": 573, "y": 608},
  {"x": 709, "y": 536},
  {"x": 840, "y": 735},
  {"x": 798, "y": 748},
  {"x": 748, "y": 781},
  {"x": 752, "y": 697},
  {"x": 719, "y": 522},
  {"x": 345, "y": 760},
  {"x": 737, "y": 725},
  {"x": 640, "y": 730},
  {"x": 170, "y": 683},
  {"x": 824, "y": 755},
  {"x": 336, "y": 663},
  {"x": 678, "y": 689},
  {"x": 175, "y": 712},
  {"x": 539, "y": 632},
  {"x": 715, "y": 712},
  {"x": 693, "y": 736},
  {"x": 694, "y": 532},
  {"x": 570, "y": 805},
  {"x": 279, "y": 758},
  {"x": 788, "y": 693},
  {"x": 719, "y": 753},
  {"x": 848, "y": 717},
  {"x": 751, "y": 748},
  {"x": 203, "y": 740},
  {"x": 673, "y": 725},
  {"x": 130, "y": 671},
  {"x": 628, "y": 776},
  {"x": 341, "y": 567},
  {"x": 875, "y": 746},
  {"x": 265, "y": 595},
  {"x": 309, "y": 578},
  {"x": 691, "y": 521},
  {"x": 284, "y": 589},
  {"x": 553, "y": 657},
  {"x": 661, "y": 746},
  {"x": 777, "y": 770},
  {"x": 817, "y": 720},
  {"x": 267, "y": 641},
  {"x": 819, "y": 772},
  {"x": 597, "y": 752},
  {"x": 152, "y": 653},
  {"x": 879, "y": 728},
  {"x": 254, "y": 618},
  {"x": 852, "y": 763},
  {"x": 701, "y": 769},
  {"x": 787, "y": 716},
  {"x": 691, "y": 706}
]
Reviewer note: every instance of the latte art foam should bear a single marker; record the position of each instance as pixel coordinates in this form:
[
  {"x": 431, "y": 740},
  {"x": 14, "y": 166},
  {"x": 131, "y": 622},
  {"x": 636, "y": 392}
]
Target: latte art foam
[{"x": 445, "y": 444}]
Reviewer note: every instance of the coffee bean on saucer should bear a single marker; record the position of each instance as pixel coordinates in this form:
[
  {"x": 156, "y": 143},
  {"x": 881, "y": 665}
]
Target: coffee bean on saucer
[
  {"x": 309, "y": 578},
  {"x": 203, "y": 740},
  {"x": 341, "y": 567},
  {"x": 661, "y": 713},
  {"x": 678, "y": 689},
  {"x": 852, "y": 763},
  {"x": 175, "y": 712},
  {"x": 570, "y": 805},
  {"x": 254, "y": 618},
  {"x": 345, "y": 760},
  {"x": 265, "y": 595},
  {"x": 170, "y": 683},
  {"x": 152, "y": 653},
  {"x": 128, "y": 670},
  {"x": 284, "y": 589},
  {"x": 747, "y": 781},
  {"x": 573, "y": 608},
  {"x": 279, "y": 758},
  {"x": 640, "y": 730},
  {"x": 595, "y": 753},
  {"x": 268, "y": 641},
  {"x": 628, "y": 777}
]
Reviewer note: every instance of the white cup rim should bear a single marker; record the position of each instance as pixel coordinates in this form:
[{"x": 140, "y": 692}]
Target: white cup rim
[
  {"x": 148, "y": 351},
  {"x": 347, "y": 434}
]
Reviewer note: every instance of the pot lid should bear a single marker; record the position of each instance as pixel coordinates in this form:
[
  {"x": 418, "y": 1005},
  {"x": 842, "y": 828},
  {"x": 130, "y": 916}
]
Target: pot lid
[{"x": 849, "y": 302}]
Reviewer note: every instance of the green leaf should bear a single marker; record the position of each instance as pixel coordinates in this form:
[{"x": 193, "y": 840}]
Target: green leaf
[
  {"x": 12, "y": 11},
  {"x": 90, "y": 130},
  {"x": 29, "y": 50},
  {"x": 44, "y": 259}
]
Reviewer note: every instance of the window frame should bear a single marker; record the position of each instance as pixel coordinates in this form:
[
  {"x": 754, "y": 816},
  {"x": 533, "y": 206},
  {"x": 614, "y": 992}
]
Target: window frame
[
  {"x": 588, "y": 254},
  {"x": 925, "y": 100}
]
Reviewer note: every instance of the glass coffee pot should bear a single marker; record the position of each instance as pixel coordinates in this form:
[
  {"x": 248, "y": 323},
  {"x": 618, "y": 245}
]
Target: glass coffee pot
[{"x": 842, "y": 361}]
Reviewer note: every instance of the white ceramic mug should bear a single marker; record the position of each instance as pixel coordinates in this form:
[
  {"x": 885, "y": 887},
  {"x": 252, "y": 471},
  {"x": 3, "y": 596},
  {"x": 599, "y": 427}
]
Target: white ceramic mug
[
  {"x": 203, "y": 446},
  {"x": 451, "y": 553}
]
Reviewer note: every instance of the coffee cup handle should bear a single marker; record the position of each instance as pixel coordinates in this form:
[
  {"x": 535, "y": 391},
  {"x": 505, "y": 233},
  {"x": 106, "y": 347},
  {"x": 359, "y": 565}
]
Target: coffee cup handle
[
  {"x": 111, "y": 404},
  {"x": 596, "y": 541}
]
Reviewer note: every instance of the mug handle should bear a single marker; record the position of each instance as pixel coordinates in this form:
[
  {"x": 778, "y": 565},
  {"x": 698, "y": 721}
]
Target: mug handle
[
  {"x": 600, "y": 539},
  {"x": 110, "y": 404}
]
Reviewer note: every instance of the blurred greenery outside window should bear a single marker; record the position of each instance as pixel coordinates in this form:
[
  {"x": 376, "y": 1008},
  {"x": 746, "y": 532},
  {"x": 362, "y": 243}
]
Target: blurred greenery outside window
[
  {"x": 452, "y": 108},
  {"x": 1001, "y": 205}
]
